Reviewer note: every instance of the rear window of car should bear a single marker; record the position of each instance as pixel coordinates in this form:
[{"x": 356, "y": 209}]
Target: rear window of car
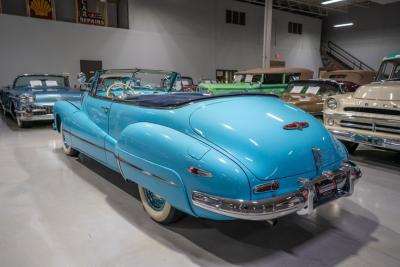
[
  {"x": 273, "y": 78},
  {"x": 337, "y": 76}
]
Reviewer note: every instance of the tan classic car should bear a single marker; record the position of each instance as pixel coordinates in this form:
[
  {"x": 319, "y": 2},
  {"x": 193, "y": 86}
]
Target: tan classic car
[
  {"x": 352, "y": 79},
  {"x": 371, "y": 115},
  {"x": 310, "y": 95}
]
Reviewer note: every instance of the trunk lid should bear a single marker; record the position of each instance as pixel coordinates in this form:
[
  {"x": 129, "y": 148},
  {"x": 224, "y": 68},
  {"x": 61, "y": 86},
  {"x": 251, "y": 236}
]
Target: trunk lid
[{"x": 250, "y": 128}]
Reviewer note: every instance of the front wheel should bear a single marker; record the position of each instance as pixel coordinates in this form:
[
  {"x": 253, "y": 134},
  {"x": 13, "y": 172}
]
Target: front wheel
[
  {"x": 351, "y": 146},
  {"x": 158, "y": 209},
  {"x": 68, "y": 150},
  {"x": 20, "y": 123}
]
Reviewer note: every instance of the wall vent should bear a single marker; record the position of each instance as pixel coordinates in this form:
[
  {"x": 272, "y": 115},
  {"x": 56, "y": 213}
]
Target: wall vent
[
  {"x": 235, "y": 17},
  {"x": 296, "y": 28}
]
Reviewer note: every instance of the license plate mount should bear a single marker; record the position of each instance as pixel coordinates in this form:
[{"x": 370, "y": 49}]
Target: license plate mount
[{"x": 325, "y": 189}]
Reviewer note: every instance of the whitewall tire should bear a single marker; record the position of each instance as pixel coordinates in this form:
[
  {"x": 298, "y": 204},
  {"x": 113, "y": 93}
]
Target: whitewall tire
[
  {"x": 20, "y": 123},
  {"x": 68, "y": 150},
  {"x": 157, "y": 208}
]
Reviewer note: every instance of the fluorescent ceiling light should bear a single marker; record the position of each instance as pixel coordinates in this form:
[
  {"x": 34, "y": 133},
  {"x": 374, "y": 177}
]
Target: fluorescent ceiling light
[
  {"x": 343, "y": 25},
  {"x": 331, "y": 2}
]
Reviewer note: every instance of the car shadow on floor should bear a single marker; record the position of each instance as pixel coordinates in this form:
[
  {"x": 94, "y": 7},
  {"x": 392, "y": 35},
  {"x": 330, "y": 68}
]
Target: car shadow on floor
[
  {"x": 389, "y": 160},
  {"x": 325, "y": 239}
]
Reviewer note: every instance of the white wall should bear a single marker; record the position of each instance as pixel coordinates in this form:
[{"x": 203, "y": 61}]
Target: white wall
[
  {"x": 375, "y": 34},
  {"x": 189, "y": 36},
  {"x": 297, "y": 50}
]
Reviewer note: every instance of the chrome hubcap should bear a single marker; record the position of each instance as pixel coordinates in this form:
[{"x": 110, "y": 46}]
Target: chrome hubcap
[{"x": 155, "y": 201}]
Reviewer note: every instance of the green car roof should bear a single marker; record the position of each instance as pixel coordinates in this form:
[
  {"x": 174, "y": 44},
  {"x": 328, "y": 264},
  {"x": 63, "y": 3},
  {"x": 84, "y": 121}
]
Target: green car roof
[{"x": 392, "y": 56}]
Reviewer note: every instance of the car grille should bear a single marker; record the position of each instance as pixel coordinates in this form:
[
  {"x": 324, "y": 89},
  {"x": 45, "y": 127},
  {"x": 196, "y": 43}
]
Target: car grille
[
  {"x": 371, "y": 126},
  {"x": 374, "y": 110}
]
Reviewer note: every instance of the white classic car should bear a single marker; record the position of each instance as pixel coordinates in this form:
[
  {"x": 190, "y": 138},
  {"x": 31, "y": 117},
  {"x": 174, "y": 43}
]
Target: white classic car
[{"x": 370, "y": 115}]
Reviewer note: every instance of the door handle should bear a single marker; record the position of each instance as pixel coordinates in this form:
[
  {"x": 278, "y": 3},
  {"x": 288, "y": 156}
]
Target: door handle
[{"x": 106, "y": 109}]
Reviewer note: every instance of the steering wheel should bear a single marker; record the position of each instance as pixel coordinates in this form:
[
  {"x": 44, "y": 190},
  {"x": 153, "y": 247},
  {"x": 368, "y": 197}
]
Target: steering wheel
[{"x": 118, "y": 85}]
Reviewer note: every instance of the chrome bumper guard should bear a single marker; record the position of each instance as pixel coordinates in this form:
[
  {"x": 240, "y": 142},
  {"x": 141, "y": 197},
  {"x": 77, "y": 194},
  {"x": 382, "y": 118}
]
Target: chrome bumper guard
[
  {"x": 371, "y": 140},
  {"x": 302, "y": 201}
]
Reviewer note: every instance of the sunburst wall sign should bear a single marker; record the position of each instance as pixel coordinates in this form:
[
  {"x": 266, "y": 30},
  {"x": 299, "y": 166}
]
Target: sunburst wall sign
[{"x": 43, "y": 9}]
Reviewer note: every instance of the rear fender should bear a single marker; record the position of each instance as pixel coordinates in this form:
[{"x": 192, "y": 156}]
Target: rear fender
[
  {"x": 158, "y": 158},
  {"x": 154, "y": 156}
]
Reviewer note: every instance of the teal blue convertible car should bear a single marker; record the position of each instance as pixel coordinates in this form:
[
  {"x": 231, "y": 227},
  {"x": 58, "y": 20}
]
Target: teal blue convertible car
[{"x": 221, "y": 157}]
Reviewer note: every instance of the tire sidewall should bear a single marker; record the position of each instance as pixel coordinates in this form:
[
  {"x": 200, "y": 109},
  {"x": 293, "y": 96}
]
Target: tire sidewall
[
  {"x": 158, "y": 216},
  {"x": 20, "y": 123},
  {"x": 66, "y": 148}
]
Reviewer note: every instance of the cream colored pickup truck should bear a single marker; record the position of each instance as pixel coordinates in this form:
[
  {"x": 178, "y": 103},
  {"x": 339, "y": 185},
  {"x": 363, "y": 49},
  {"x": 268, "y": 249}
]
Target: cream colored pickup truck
[{"x": 370, "y": 115}]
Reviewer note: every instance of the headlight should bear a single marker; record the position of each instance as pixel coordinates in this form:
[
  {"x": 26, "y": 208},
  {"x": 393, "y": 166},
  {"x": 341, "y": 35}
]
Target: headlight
[
  {"x": 331, "y": 103},
  {"x": 25, "y": 98}
]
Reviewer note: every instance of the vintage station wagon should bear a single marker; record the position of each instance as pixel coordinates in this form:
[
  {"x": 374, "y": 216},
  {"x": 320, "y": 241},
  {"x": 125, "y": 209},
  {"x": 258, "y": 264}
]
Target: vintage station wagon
[{"x": 261, "y": 80}]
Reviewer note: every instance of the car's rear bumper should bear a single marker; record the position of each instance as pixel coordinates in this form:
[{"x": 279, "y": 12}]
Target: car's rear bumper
[{"x": 301, "y": 201}]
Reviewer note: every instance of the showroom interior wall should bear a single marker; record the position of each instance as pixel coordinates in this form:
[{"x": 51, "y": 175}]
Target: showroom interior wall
[
  {"x": 297, "y": 50},
  {"x": 186, "y": 35},
  {"x": 371, "y": 38}
]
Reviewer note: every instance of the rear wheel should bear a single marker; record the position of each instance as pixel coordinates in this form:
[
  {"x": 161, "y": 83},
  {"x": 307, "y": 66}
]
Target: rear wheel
[
  {"x": 351, "y": 146},
  {"x": 68, "y": 150},
  {"x": 158, "y": 209}
]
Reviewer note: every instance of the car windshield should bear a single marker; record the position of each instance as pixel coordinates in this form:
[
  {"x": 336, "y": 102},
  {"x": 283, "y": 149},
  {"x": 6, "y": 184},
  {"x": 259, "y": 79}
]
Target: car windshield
[
  {"x": 389, "y": 70},
  {"x": 41, "y": 81},
  {"x": 116, "y": 83},
  {"x": 312, "y": 87},
  {"x": 266, "y": 78},
  {"x": 247, "y": 78},
  {"x": 208, "y": 81}
]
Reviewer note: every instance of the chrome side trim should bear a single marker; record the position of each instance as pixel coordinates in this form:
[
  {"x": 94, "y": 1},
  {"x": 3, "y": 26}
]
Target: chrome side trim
[
  {"x": 119, "y": 160},
  {"x": 300, "y": 201},
  {"x": 144, "y": 172},
  {"x": 120, "y": 168},
  {"x": 87, "y": 141}
]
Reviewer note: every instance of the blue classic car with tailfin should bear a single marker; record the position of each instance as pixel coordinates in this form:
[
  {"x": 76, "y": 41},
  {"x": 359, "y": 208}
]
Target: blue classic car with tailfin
[
  {"x": 222, "y": 157},
  {"x": 32, "y": 97}
]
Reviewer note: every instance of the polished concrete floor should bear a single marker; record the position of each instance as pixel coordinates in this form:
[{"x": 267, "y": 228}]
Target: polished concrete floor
[{"x": 62, "y": 211}]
